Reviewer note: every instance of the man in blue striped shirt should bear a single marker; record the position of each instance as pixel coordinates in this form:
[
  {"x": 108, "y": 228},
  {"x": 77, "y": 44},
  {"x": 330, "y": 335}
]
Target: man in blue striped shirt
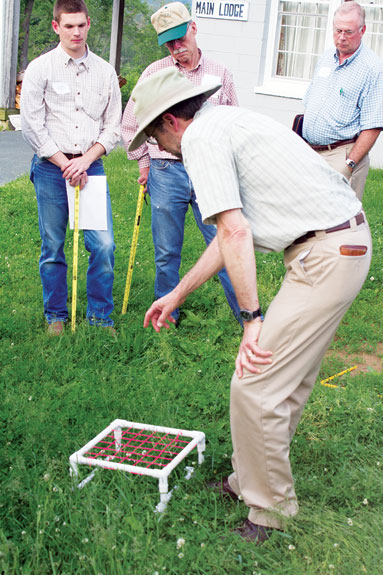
[{"x": 344, "y": 102}]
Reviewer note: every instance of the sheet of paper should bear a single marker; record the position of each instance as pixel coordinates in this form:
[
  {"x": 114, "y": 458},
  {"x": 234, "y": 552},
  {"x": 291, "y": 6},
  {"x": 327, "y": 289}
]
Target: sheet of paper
[{"x": 92, "y": 204}]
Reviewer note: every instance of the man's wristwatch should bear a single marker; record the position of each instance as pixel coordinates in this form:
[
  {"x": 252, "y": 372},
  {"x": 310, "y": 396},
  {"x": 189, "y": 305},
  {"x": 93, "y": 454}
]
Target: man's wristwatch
[
  {"x": 351, "y": 164},
  {"x": 248, "y": 315}
]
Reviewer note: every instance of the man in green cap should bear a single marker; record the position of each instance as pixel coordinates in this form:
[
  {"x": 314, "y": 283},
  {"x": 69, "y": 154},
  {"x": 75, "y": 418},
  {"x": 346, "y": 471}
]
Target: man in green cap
[{"x": 162, "y": 172}]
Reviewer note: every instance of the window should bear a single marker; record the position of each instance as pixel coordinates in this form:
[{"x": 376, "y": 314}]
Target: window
[
  {"x": 373, "y": 37},
  {"x": 299, "y": 32}
]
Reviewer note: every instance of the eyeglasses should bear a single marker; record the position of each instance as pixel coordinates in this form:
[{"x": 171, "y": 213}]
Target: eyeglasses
[
  {"x": 171, "y": 43},
  {"x": 152, "y": 141},
  {"x": 347, "y": 33}
]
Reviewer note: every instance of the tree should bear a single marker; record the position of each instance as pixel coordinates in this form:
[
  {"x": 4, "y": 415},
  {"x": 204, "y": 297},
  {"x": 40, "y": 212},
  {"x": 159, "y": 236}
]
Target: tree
[
  {"x": 36, "y": 34},
  {"x": 25, "y": 33},
  {"x": 139, "y": 43}
]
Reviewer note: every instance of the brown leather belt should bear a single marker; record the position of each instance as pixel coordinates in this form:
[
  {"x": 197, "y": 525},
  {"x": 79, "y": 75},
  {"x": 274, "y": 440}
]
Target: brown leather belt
[
  {"x": 72, "y": 156},
  {"x": 359, "y": 219},
  {"x": 333, "y": 145}
]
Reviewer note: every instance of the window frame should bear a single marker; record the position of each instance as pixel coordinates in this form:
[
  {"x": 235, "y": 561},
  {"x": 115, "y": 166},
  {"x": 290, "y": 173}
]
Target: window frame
[{"x": 277, "y": 85}]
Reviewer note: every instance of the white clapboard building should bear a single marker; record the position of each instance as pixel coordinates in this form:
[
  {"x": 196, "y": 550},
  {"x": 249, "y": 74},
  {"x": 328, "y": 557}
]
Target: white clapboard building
[{"x": 272, "y": 46}]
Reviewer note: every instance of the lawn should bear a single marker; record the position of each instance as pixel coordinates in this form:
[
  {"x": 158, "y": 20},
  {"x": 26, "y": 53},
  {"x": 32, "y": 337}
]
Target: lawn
[{"x": 58, "y": 393}]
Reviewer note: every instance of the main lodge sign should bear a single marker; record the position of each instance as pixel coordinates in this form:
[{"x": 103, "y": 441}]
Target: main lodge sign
[{"x": 222, "y": 10}]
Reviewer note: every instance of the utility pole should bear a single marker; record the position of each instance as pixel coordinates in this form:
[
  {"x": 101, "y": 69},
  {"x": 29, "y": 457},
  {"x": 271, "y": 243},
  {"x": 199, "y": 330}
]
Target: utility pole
[
  {"x": 116, "y": 37},
  {"x": 9, "y": 38}
]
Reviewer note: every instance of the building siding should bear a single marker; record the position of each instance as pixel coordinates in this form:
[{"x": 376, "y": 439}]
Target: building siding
[{"x": 241, "y": 47}]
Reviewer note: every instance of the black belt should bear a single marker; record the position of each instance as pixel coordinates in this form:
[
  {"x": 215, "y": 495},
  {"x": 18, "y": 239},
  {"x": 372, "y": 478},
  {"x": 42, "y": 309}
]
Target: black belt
[
  {"x": 72, "y": 156},
  {"x": 359, "y": 219},
  {"x": 333, "y": 145}
]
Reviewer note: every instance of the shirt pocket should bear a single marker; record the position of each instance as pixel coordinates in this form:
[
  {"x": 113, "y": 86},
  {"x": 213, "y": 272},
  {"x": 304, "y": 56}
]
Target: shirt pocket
[
  {"x": 94, "y": 104},
  {"x": 346, "y": 109}
]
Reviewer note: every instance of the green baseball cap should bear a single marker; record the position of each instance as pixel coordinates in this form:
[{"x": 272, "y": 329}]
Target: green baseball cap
[{"x": 171, "y": 22}]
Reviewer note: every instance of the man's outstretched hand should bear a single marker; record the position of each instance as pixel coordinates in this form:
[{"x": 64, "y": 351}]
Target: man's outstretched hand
[{"x": 159, "y": 313}]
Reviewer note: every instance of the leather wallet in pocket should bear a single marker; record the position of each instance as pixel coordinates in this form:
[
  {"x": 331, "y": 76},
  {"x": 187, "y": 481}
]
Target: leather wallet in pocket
[{"x": 353, "y": 250}]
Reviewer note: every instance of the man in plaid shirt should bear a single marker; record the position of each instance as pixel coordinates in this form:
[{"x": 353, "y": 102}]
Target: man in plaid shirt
[
  {"x": 168, "y": 184},
  {"x": 70, "y": 116},
  {"x": 344, "y": 102}
]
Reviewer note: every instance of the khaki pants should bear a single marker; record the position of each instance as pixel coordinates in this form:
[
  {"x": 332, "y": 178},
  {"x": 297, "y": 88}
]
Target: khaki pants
[
  {"x": 337, "y": 160},
  {"x": 319, "y": 286}
]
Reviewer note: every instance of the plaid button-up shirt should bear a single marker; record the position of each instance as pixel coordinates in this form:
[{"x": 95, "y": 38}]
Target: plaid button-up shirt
[
  {"x": 226, "y": 96},
  {"x": 68, "y": 106},
  {"x": 344, "y": 99}
]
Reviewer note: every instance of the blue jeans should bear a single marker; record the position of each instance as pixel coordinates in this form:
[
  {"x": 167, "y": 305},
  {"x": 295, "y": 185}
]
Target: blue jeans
[
  {"x": 52, "y": 206},
  {"x": 171, "y": 193}
]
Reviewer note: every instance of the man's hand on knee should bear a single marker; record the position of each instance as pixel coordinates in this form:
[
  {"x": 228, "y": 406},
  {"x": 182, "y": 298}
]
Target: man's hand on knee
[{"x": 250, "y": 354}]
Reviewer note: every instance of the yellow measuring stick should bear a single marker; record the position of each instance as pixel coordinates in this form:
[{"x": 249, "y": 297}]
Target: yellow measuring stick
[
  {"x": 75, "y": 254},
  {"x": 324, "y": 381},
  {"x": 133, "y": 248}
]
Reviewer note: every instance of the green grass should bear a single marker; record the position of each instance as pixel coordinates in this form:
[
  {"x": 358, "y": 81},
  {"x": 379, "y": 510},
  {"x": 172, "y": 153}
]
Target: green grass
[{"x": 57, "y": 393}]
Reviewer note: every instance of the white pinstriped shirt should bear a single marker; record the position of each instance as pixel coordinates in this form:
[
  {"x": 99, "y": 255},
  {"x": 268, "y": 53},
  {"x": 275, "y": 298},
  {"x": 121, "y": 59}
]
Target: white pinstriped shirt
[
  {"x": 68, "y": 107},
  {"x": 239, "y": 159},
  {"x": 225, "y": 96}
]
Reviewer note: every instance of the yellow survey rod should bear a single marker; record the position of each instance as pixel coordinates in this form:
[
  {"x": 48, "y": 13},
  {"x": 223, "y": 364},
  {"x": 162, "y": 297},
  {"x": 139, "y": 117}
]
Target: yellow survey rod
[
  {"x": 133, "y": 248},
  {"x": 324, "y": 381},
  {"x": 75, "y": 254}
]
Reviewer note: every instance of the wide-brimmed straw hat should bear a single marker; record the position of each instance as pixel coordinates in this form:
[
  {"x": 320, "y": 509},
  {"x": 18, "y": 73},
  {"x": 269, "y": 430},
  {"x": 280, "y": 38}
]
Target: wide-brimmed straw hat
[
  {"x": 158, "y": 92},
  {"x": 171, "y": 22}
]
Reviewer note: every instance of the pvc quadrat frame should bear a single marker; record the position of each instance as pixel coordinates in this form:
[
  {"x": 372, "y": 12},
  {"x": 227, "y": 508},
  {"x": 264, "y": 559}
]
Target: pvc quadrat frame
[{"x": 141, "y": 449}]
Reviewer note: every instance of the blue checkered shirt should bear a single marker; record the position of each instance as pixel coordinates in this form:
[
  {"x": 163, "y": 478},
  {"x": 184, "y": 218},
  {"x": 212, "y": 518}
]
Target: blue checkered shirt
[{"x": 343, "y": 100}]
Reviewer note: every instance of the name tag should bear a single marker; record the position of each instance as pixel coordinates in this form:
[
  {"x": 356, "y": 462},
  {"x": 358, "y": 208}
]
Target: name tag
[
  {"x": 324, "y": 72},
  {"x": 209, "y": 79},
  {"x": 61, "y": 87}
]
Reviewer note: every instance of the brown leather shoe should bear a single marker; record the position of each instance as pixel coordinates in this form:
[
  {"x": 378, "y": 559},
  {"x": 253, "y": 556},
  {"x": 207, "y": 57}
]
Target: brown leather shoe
[
  {"x": 56, "y": 328},
  {"x": 253, "y": 532},
  {"x": 223, "y": 488}
]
